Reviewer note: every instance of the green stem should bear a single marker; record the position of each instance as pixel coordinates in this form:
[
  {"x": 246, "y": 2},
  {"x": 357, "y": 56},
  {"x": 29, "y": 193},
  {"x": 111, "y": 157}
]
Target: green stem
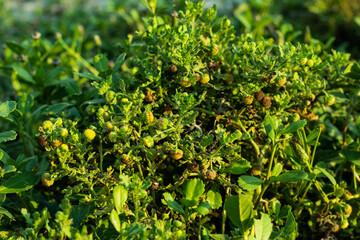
[
  {"x": 199, "y": 231},
  {"x": 354, "y": 176},
  {"x": 314, "y": 151},
  {"x": 264, "y": 187},
  {"x": 268, "y": 175},
  {"x": 78, "y": 57},
  {"x": 101, "y": 156}
]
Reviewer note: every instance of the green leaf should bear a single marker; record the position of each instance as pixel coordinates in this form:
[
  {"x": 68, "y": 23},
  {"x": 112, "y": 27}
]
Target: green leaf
[
  {"x": 313, "y": 135},
  {"x": 270, "y": 127},
  {"x": 88, "y": 76},
  {"x": 8, "y": 136},
  {"x": 353, "y": 71},
  {"x": 172, "y": 203},
  {"x": 22, "y": 73},
  {"x": 119, "y": 62},
  {"x": 214, "y": 199},
  {"x": 18, "y": 183},
  {"x": 288, "y": 232},
  {"x": 9, "y": 169},
  {"x": 52, "y": 75},
  {"x": 326, "y": 173},
  {"x": 5, "y": 212},
  {"x": 239, "y": 167},
  {"x": 203, "y": 209},
  {"x": 239, "y": 211},
  {"x": 120, "y": 195},
  {"x": 6, "y": 108},
  {"x": 25, "y": 103},
  {"x": 78, "y": 213},
  {"x": 351, "y": 156},
  {"x": 207, "y": 140},
  {"x": 15, "y": 47},
  {"x": 219, "y": 236},
  {"x": 293, "y": 127},
  {"x": 101, "y": 63},
  {"x": 115, "y": 220},
  {"x": 249, "y": 182},
  {"x": 291, "y": 176},
  {"x": 56, "y": 108},
  {"x": 193, "y": 189},
  {"x": 263, "y": 227},
  {"x": 277, "y": 170},
  {"x": 232, "y": 137}
]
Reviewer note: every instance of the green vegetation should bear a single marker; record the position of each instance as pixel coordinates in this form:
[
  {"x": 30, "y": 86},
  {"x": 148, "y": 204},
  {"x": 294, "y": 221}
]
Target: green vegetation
[{"x": 177, "y": 125}]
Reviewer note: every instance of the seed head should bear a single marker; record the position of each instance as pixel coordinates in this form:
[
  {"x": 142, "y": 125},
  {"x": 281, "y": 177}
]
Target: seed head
[
  {"x": 259, "y": 95},
  {"x": 266, "y": 102}
]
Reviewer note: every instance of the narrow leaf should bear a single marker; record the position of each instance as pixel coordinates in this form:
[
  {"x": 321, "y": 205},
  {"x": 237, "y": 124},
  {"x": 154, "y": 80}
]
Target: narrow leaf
[
  {"x": 293, "y": 127},
  {"x": 172, "y": 203},
  {"x": 292, "y": 176},
  {"x": 115, "y": 220},
  {"x": 120, "y": 195},
  {"x": 23, "y": 73}
]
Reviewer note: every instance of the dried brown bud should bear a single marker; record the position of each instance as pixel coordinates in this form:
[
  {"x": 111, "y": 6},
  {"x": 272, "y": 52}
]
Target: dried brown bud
[
  {"x": 173, "y": 69},
  {"x": 193, "y": 167},
  {"x": 41, "y": 141},
  {"x": 259, "y": 95},
  {"x": 266, "y": 102}
]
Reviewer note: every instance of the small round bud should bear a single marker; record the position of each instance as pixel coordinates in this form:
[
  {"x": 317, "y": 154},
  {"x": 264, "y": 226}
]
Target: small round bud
[
  {"x": 193, "y": 167},
  {"x": 214, "y": 49},
  {"x": 109, "y": 126},
  {"x": 163, "y": 123},
  {"x": 281, "y": 81},
  {"x": 344, "y": 224},
  {"x": 185, "y": 82},
  {"x": 149, "y": 117},
  {"x": 155, "y": 185},
  {"x": 197, "y": 77},
  {"x": 89, "y": 134},
  {"x": 46, "y": 179},
  {"x": 248, "y": 100},
  {"x": 47, "y": 125},
  {"x": 113, "y": 136},
  {"x": 91, "y": 109},
  {"x": 329, "y": 100},
  {"x": 173, "y": 69},
  {"x": 148, "y": 141},
  {"x": 205, "y": 78},
  {"x": 303, "y": 61},
  {"x": 348, "y": 210},
  {"x": 310, "y": 63},
  {"x": 97, "y": 40},
  {"x": 211, "y": 174},
  {"x": 110, "y": 97},
  {"x": 177, "y": 154},
  {"x": 256, "y": 169},
  {"x": 36, "y": 35},
  {"x": 64, "y": 147},
  {"x": 56, "y": 143},
  {"x": 229, "y": 78}
]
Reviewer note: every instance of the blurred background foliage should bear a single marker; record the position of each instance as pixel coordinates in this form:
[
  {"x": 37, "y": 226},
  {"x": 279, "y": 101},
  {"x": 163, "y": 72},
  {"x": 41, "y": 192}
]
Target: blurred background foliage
[{"x": 332, "y": 22}]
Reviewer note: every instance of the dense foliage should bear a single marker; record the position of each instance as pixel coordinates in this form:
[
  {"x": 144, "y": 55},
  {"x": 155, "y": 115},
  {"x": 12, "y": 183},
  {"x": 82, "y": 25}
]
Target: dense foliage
[{"x": 185, "y": 129}]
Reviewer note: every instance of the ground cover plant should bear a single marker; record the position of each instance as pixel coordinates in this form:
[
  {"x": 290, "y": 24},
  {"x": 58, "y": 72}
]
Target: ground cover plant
[{"x": 185, "y": 129}]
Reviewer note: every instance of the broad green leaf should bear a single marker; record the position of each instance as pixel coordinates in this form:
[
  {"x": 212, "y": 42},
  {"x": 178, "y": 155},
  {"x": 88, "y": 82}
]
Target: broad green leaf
[
  {"x": 263, "y": 227},
  {"x": 8, "y": 136},
  {"x": 189, "y": 203},
  {"x": 88, "y": 76},
  {"x": 239, "y": 211},
  {"x": 6, "y": 108},
  {"x": 10, "y": 168},
  {"x": 249, "y": 182},
  {"x": 52, "y": 75},
  {"x": 203, "y": 209},
  {"x": 115, "y": 220},
  {"x": 23, "y": 73},
  {"x": 78, "y": 213},
  {"x": 353, "y": 71},
  {"x": 207, "y": 140},
  {"x": 120, "y": 196},
  {"x": 352, "y": 156},
  {"x": 172, "y": 203},
  {"x": 119, "y": 62},
  {"x": 214, "y": 199},
  {"x": 193, "y": 189},
  {"x": 293, "y": 127},
  {"x": 15, "y": 47},
  {"x": 239, "y": 167},
  {"x": 291, "y": 176},
  {"x": 5, "y": 212},
  {"x": 101, "y": 63},
  {"x": 18, "y": 183},
  {"x": 219, "y": 236}
]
